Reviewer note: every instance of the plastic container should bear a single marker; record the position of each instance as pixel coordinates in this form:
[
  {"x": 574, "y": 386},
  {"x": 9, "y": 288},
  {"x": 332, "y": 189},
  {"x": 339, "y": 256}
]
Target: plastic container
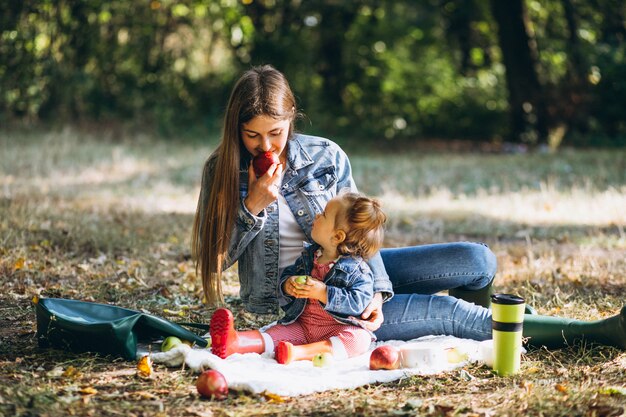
[{"x": 422, "y": 355}]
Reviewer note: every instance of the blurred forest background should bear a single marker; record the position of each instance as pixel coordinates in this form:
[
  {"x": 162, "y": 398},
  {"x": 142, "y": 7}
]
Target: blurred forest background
[
  {"x": 109, "y": 109},
  {"x": 533, "y": 72}
]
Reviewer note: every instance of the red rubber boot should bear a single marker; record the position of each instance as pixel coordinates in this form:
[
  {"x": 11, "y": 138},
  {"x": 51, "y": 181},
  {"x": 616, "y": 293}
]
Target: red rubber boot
[
  {"x": 225, "y": 340},
  {"x": 286, "y": 352}
]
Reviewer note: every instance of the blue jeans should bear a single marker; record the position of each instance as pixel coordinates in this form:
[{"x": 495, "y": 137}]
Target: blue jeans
[{"x": 418, "y": 272}]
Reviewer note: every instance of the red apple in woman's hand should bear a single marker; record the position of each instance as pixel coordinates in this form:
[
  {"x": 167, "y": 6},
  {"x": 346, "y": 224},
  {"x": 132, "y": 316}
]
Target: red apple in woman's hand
[
  {"x": 385, "y": 357},
  {"x": 212, "y": 384},
  {"x": 263, "y": 161}
]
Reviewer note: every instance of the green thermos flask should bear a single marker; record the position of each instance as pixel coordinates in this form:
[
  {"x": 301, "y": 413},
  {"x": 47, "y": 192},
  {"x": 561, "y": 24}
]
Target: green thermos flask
[{"x": 507, "y": 320}]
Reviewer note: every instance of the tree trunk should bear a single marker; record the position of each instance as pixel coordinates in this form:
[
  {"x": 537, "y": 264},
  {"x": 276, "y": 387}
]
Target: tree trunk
[
  {"x": 612, "y": 27},
  {"x": 459, "y": 30},
  {"x": 526, "y": 107},
  {"x": 571, "y": 106},
  {"x": 331, "y": 66},
  {"x": 576, "y": 70}
]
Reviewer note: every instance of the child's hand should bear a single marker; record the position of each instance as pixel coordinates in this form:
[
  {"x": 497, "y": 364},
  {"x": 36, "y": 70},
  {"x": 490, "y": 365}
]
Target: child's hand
[
  {"x": 294, "y": 284},
  {"x": 312, "y": 288}
]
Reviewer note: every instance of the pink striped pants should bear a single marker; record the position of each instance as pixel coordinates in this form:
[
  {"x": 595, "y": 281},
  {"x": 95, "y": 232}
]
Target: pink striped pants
[{"x": 316, "y": 325}]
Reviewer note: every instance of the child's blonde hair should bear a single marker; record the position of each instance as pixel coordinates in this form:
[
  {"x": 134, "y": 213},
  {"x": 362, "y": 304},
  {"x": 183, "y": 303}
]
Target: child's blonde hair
[{"x": 362, "y": 220}]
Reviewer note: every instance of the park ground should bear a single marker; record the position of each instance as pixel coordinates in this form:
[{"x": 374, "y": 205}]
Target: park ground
[{"x": 100, "y": 218}]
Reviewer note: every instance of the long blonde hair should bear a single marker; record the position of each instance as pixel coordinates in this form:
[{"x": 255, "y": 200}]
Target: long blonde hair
[{"x": 259, "y": 91}]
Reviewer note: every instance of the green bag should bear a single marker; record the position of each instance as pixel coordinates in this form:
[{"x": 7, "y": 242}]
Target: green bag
[{"x": 81, "y": 326}]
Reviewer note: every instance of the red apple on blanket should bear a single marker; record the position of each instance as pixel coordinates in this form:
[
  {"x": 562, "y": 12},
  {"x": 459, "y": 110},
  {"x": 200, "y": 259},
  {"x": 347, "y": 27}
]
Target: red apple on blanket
[
  {"x": 212, "y": 384},
  {"x": 385, "y": 357},
  {"x": 263, "y": 161}
]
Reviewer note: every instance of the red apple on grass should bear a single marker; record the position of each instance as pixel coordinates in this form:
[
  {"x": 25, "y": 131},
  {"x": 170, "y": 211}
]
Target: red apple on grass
[
  {"x": 385, "y": 357},
  {"x": 263, "y": 161},
  {"x": 212, "y": 384}
]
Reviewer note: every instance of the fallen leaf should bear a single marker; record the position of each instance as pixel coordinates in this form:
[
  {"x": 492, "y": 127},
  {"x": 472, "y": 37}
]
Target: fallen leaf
[
  {"x": 179, "y": 313},
  {"x": 88, "y": 391},
  {"x": 164, "y": 292},
  {"x": 612, "y": 391},
  {"x": 19, "y": 264},
  {"x": 273, "y": 397},
  {"x": 466, "y": 375},
  {"x": 561, "y": 388},
  {"x": 144, "y": 395},
  {"x": 71, "y": 372},
  {"x": 144, "y": 367},
  {"x": 528, "y": 386}
]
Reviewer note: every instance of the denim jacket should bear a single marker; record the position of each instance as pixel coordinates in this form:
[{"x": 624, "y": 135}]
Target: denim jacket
[
  {"x": 349, "y": 287},
  {"x": 316, "y": 170}
]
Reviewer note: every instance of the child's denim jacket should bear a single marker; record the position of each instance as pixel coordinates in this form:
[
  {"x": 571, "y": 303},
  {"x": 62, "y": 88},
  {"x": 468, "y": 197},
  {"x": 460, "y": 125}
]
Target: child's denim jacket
[
  {"x": 316, "y": 170},
  {"x": 349, "y": 287}
]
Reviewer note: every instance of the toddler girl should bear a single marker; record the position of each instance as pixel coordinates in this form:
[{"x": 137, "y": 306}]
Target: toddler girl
[{"x": 322, "y": 293}]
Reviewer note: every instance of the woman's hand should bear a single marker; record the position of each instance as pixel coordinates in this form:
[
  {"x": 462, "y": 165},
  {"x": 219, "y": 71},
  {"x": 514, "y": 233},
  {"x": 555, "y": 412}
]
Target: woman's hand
[
  {"x": 264, "y": 190},
  {"x": 372, "y": 316}
]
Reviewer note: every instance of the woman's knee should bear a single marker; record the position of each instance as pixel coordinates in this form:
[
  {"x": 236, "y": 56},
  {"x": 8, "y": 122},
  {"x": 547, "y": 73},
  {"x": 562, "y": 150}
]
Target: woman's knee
[{"x": 482, "y": 259}]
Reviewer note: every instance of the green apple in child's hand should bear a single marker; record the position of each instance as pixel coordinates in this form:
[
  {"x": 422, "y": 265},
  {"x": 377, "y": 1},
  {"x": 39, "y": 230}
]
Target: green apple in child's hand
[
  {"x": 322, "y": 360},
  {"x": 170, "y": 342},
  {"x": 301, "y": 279}
]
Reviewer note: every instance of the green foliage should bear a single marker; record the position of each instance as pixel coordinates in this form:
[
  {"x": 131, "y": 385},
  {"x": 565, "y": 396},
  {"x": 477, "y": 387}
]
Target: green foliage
[
  {"x": 371, "y": 68},
  {"x": 101, "y": 60}
]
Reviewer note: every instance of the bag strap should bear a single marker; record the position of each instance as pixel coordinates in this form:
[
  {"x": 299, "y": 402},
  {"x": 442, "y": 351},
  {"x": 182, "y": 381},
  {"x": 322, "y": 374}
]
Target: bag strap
[{"x": 201, "y": 326}]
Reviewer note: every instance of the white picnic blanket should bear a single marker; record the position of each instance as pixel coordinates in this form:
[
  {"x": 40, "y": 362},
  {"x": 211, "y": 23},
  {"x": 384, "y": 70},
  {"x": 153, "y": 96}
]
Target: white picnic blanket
[{"x": 260, "y": 373}]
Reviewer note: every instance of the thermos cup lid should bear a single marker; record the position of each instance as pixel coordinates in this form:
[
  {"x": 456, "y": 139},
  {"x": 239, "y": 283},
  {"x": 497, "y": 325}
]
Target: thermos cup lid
[{"x": 509, "y": 299}]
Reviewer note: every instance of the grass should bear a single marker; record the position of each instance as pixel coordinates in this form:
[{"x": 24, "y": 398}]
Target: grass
[{"x": 93, "y": 217}]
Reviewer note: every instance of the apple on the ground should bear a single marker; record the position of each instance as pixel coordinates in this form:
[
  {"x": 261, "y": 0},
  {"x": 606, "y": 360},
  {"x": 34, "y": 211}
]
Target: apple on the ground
[
  {"x": 169, "y": 343},
  {"x": 322, "y": 360},
  {"x": 385, "y": 357},
  {"x": 212, "y": 384}
]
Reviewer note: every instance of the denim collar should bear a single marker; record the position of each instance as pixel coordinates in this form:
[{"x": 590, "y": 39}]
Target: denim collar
[
  {"x": 297, "y": 157},
  {"x": 347, "y": 264}
]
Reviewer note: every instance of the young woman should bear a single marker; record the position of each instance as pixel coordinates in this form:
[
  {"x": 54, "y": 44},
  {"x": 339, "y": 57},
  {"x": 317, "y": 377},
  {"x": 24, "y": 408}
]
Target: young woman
[
  {"x": 329, "y": 284},
  {"x": 260, "y": 223}
]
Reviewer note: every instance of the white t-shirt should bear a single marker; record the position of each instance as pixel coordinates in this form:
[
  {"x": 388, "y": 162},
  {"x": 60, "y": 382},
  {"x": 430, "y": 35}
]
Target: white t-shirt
[{"x": 291, "y": 236}]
